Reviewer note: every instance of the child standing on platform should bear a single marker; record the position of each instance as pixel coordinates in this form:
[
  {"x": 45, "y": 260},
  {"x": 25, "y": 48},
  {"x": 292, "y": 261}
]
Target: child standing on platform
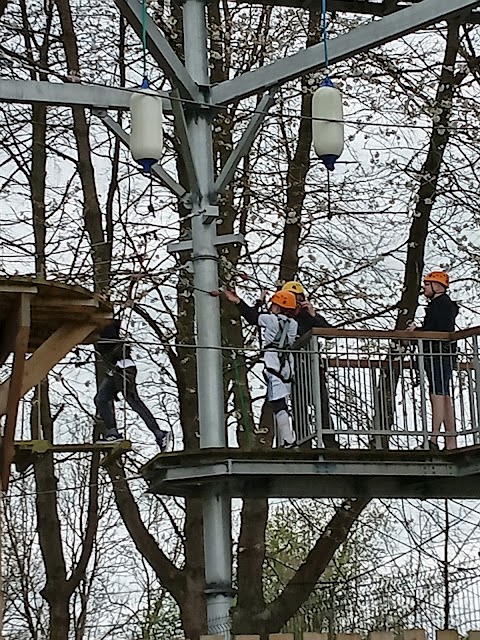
[{"x": 279, "y": 331}]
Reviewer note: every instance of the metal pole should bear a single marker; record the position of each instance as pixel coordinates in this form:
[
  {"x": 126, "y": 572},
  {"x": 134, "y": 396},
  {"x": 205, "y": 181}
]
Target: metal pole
[
  {"x": 476, "y": 364},
  {"x": 314, "y": 357},
  {"x": 216, "y": 510},
  {"x": 423, "y": 401}
]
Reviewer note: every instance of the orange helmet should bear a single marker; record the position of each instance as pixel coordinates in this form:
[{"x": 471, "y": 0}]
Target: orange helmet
[
  {"x": 293, "y": 286},
  {"x": 284, "y": 299},
  {"x": 438, "y": 276}
]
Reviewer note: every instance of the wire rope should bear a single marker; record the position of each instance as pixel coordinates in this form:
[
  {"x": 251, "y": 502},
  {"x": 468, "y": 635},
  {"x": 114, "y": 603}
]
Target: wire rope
[{"x": 144, "y": 44}]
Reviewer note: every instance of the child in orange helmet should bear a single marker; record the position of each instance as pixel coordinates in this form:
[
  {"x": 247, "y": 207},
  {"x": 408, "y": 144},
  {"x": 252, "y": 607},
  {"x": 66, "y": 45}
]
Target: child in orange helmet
[
  {"x": 439, "y": 355},
  {"x": 279, "y": 331}
]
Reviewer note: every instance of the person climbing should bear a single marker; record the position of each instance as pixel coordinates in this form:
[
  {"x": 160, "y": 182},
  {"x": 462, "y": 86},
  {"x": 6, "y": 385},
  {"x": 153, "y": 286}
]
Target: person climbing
[
  {"x": 307, "y": 318},
  {"x": 279, "y": 331},
  {"x": 439, "y": 355},
  {"x": 121, "y": 374}
]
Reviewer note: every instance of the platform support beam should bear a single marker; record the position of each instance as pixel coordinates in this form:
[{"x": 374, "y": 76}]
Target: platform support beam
[
  {"x": 46, "y": 357},
  {"x": 14, "y": 393}
]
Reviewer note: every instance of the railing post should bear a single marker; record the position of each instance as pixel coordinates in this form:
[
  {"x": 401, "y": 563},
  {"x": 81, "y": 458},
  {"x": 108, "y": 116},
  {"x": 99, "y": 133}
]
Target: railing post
[
  {"x": 377, "y": 406},
  {"x": 316, "y": 391},
  {"x": 476, "y": 365},
  {"x": 423, "y": 401}
]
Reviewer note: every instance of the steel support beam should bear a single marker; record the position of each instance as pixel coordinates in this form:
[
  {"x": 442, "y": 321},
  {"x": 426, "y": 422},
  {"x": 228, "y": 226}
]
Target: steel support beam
[
  {"x": 245, "y": 142},
  {"x": 343, "y": 6},
  {"x": 220, "y": 241},
  {"x": 69, "y": 95},
  {"x": 297, "y": 478},
  {"x": 356, "y": 41},
  {"x": 182, "y": 133},
  {"x": 158, "y": 171},
  {"x": 160, "y": 49}
]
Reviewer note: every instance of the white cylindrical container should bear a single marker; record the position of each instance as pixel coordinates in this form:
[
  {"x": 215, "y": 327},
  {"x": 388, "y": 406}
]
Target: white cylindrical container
[
  {"x": 146, "y": 137},
  {"x": 327, "y": 126}
]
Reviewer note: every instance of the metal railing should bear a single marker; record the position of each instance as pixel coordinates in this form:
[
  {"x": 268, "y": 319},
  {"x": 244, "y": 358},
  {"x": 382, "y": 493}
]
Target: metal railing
[{"x": 371, "y": 389}]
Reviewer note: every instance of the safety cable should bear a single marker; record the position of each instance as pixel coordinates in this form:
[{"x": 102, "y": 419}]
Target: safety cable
[
  {"x": 144, "y": 44},
  {"x": 325, "y": 38}
]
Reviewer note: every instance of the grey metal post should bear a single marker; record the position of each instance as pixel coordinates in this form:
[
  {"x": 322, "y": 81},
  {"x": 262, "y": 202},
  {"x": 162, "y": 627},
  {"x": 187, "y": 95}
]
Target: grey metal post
[
  {"x": 423, "y": 401},
  {"x": 217, "y": 512},
  {"x": 476, "y": 364},
  {"x": 314, "y": 357}
]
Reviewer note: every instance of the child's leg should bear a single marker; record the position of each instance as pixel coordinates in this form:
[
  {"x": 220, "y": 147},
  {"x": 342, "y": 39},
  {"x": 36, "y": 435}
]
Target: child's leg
[{"x": 285, "y": 433}]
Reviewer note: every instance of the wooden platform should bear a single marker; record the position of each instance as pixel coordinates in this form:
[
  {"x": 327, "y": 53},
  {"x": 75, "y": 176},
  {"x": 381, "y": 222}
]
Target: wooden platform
[
  {"x": 27, "y": 452},
  {"x": 52, "y": 306},
  {"x": 318, "y": 473},
  {"x": 47, "y": 319}
]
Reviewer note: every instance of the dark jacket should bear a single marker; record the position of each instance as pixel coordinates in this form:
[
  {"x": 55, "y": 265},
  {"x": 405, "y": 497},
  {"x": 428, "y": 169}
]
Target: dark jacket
[
  {"x": 304, "y": 320},
  {"x": 440, "y": 315},
  {"x": 111, "y": 346}
]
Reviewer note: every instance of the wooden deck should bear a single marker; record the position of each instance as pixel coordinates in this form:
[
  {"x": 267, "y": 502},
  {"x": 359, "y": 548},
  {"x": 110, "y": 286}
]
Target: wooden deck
[{"x": 46, "y": 319}]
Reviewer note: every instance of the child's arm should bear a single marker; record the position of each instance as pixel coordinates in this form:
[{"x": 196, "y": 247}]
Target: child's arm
[{"x": 249, "y": 313}]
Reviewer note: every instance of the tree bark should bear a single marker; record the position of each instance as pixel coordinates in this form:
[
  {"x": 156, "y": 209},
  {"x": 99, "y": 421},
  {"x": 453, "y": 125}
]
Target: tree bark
[
  {"x": 58, "y": 587},
  {"x": 298, "y": 168},
  {"x": 274, "y": 615},
  {"x": 429, "y": 175},
  {"x": 91, "y": 206}
]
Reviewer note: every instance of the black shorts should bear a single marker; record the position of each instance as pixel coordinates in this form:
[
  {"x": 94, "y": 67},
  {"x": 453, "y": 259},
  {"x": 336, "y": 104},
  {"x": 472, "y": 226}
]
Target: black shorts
[{"x": 438, "y": 370}]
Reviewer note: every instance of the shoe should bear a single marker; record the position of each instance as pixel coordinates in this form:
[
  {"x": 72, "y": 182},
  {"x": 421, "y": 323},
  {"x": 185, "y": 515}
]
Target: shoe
[
  {"x": 432, "y": 446},
  {"x": 165, "y": 442},
  {"x": 111, "y": 437},
  {"x": 330, "y": 442}
]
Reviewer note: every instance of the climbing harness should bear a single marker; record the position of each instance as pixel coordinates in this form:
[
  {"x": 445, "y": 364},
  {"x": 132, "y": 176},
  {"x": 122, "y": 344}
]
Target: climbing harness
[{"x": 279, "y": 344}]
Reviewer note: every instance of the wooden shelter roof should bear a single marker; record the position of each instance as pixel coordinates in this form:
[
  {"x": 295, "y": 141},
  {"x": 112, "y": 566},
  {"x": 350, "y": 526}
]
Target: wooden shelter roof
[{"x": 53, "y": 304}]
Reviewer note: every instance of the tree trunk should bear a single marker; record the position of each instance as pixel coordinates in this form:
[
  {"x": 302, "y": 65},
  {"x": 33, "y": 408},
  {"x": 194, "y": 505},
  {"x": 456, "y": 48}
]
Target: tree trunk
[
  {"x": 91, "y": 207},
  {"x": 298, "y": 168},
  {"x": 429, "y": 175}
]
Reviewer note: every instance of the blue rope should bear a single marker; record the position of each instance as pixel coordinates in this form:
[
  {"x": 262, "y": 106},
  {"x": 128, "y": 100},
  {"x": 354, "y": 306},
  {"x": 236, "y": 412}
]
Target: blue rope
[
  {"x": 325, "y": 39},
  {"x": 144, "y": 43}
]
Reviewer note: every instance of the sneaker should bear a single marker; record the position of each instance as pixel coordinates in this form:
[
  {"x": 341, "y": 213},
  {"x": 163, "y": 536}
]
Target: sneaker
[
  {"x": 112, "y": 437},
  {"x": 433, "y": 447},
  {"x": 165, "y": 441}
]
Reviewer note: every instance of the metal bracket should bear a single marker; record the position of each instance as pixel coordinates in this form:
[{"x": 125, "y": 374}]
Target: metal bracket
[
  {"x": 210, "y": 213},
  {"x": 186, "y": 245},
  {"x": 219, "y": 589}
]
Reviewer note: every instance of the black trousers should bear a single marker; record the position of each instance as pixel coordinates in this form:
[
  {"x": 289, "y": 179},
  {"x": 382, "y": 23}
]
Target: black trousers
[{"x": 123, "y": 381}]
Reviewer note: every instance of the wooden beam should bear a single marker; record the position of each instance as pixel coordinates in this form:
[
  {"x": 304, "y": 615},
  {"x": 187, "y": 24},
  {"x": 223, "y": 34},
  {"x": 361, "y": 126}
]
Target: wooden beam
[
  {"x": 14, "y": 392},
  {"x": 42, "y": 446},
  {"x": 47, "y": 356}
]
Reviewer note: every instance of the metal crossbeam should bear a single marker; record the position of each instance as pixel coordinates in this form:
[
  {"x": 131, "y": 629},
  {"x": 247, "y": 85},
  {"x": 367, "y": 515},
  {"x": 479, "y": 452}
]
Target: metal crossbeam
[
  {"x": 356, "y": 41},
  {"x": 164, "y": 177},
  {"x": 70, "y": 95},
  {"x": 182, "y": 133},
  {"x": 220, "y": 241},
  {"x": 160, "y": 49},
  {"x": 344, "y": 6},
  {"x": 245, "y": 142},
  {"x": 423, "y": 476}
]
